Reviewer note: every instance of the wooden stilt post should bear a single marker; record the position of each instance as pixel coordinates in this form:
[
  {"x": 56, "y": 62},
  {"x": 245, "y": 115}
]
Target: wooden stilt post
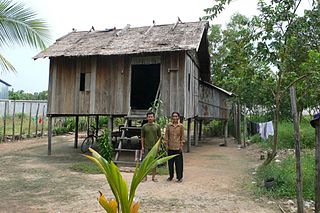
[
  {"x": 195, "y": 125},
  {"x": 297, "y": 149},
  {"x": 110, "y": 127},
  {"x": 200, "y": 129},
  {"x": 225, "y": 125},
  {"x": 97, "y": 125},
  {"x": 188, "y": 135},
  {"x": 49, "y": 134},
  {"x": 76, "y": 132}
]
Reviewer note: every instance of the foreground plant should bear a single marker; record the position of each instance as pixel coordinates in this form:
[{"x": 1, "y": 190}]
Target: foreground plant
[{"x": 123, "y": 198}]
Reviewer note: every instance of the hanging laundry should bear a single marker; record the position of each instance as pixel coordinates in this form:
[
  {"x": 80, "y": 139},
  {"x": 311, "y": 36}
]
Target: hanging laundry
[{"x": 266, "y": 129}]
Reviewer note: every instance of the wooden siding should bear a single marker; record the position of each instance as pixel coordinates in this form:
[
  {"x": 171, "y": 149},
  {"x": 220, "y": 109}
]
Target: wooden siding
[
  {"x": 212, "y": 103},
  {"x": 172, "y": 82},
  {"x": 191, "y": 88},
  {"x": 108, "y": 84}
]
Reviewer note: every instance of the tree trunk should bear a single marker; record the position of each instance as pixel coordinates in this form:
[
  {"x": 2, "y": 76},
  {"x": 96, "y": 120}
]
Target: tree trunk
[
  {"x": 297, "y": 149},
  {"x": 273, "y": 154}
]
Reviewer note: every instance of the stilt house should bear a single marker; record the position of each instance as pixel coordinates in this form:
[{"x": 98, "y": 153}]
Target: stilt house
[{"x": 118, "y": 72}]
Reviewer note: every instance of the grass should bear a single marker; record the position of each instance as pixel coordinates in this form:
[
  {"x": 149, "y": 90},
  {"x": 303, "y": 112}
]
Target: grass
[{"x": 284, "y": 174}]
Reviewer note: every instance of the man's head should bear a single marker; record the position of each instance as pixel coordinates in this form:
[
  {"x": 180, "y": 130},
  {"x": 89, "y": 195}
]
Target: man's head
[
  {"x": 150, "y": 117},
  {"x": 175, "y": 116}
]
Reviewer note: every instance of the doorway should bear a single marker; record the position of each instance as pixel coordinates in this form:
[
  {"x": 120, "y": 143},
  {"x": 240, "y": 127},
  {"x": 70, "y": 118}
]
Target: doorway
[{"x": 145, "y": 79}]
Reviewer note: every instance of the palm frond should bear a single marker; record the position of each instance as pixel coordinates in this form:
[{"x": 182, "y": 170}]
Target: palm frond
[
  {"x": 19, "y": 25},
  {"x": 5, "y": 65}
]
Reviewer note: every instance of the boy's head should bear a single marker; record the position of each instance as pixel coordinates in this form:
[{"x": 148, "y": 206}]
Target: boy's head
[{"x": 150, "y": 117}]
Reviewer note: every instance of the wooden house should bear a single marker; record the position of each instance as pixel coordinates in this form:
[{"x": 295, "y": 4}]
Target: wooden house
[
  {"x": 118, "y": 71},
  {"x": 4, "y": 89}
]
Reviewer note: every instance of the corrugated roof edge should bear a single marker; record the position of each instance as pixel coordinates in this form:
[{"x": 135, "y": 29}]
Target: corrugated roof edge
[
  {"x": 218, "y": 88},
  {"x": 2, "y": 81}
]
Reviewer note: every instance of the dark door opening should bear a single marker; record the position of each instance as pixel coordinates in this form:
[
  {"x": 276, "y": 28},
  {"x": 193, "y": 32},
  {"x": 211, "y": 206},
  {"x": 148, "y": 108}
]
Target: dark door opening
[{"x": 145, "y": 80}]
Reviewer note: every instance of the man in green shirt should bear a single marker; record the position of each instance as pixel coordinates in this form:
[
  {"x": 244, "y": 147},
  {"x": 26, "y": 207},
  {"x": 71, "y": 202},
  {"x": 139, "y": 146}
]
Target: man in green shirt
[{"x": 150, "y": 134}]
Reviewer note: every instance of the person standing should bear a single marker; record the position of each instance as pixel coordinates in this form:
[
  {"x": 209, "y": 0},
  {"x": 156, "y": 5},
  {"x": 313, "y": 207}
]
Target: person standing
[
  {"x": 174, "y": 140},
  {"x": 150, "y": 134}
]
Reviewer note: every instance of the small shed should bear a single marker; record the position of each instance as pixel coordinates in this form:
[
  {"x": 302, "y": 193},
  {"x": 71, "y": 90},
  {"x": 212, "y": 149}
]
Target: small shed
[
  {"x": 117, "y": 72},
  {"x": 4, "y": 89}
]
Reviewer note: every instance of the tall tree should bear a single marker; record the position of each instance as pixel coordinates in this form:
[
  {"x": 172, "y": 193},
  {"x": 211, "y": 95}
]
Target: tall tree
[
  {"x": 234, "y": 66},
  {"x": 19, "y": 25}
]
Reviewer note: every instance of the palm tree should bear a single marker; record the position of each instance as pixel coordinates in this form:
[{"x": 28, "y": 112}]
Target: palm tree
[{"x": 19, "y": 25}]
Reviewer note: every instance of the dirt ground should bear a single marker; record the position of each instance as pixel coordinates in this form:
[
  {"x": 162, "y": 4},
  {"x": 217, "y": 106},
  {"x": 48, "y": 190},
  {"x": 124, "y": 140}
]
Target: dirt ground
[{"x": 216, "y": 179}]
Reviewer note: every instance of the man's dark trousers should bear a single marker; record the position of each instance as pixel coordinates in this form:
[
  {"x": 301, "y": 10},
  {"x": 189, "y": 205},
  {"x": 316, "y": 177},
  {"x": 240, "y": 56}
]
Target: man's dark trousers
[{"x": 178, "y": 161}]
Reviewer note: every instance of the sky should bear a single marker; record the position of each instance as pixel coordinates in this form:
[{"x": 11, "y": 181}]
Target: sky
[{"x": 63, "y": 15}]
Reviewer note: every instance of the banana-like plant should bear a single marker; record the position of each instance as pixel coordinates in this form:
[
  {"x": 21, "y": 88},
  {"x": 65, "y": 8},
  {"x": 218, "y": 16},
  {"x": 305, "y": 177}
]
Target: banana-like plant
[{"x": 123, "y": 198}]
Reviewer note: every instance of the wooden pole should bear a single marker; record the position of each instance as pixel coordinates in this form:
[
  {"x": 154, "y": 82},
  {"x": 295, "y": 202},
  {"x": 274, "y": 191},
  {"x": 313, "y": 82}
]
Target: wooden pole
[
  {"x": 42, "y": 123},
  {"x": 30, "y": 118},
  {"x": 200, "y": 129},
  {"x": 238, "y": 124},
  {"x": 244, "y": 125},
  {"x": 225, "y": 125},
  {"x": 37, "y": 119},
  {"x": 76, "y": 132},
  {"x": 110, "y": 128},
  {"x": 49, "y": 134},
  {"x": 195, "y": 135},
  {"x": 188, "y": 135},
  {"x": 13, "y": 118},
  {"x": 97, "y": 125},
  {"x": 21, "y": 124},
  {"x": 317, "y": 156},
  {"x": 297, "y": 149},
  {"x": 5, "y": 121}
]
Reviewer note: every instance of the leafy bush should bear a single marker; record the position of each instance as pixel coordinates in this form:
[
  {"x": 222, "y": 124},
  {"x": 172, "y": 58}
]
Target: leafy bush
[
  {"x": 284, "y": 174},
  {"x": 105, "y": 148},
  {"x": 103, "y": 121},
  {"x": 60, "y": 130},
  {"x": 213, "y": 128}
]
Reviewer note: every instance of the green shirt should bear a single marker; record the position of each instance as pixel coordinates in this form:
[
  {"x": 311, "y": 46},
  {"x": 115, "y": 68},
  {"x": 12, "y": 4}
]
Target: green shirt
[{"x": 151, "y": 134}]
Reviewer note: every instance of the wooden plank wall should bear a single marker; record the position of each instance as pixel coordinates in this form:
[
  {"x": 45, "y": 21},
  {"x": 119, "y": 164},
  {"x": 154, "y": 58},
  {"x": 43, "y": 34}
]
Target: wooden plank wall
[
  {"x": 212, "y": 103},
  {"x": 172, "y": 82},
  {"x": 108, "y": 84},
  {"x": 191, "y": 91}
]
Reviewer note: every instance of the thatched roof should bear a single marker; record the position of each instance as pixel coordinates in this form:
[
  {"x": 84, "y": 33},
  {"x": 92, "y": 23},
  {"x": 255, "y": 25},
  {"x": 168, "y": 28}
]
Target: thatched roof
[{"x": 148, "y": 39}]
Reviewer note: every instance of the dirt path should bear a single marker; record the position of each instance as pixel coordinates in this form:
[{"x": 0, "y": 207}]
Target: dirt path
[{"x": 216, "y": 180}]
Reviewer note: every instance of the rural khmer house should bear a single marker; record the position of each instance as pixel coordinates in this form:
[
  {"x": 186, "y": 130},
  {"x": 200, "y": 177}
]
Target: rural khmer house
[{"x": 120, "y": 72}]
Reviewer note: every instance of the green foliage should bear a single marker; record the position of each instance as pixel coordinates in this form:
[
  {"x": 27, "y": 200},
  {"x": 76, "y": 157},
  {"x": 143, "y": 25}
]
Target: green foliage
[
  {"x": 286, "y": 135},
  {"x": 103, "y": 121},
  {"x": 60, "y": 130},
  {"x": 125, "y": 197},
  {"x": 213, "y": 128},
  {"x": 19, "y": 25},
  {"x": 104, "y": 146},
  {"x": 21, "y": 95},
  {"x": 285, "y": 177}
]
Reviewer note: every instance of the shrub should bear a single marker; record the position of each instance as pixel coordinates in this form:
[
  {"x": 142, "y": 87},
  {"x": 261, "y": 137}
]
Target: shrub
[
  {"x": 105, "y": 148},
  {"x": 213, "y": 128}
]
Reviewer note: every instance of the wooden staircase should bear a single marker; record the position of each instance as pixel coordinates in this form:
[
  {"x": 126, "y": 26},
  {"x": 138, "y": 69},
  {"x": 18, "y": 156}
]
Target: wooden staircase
[{"x": 129, "y": 148}]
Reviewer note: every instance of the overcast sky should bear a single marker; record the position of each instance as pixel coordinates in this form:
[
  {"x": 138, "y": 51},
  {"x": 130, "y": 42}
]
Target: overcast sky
[{"x": 63, "y": 15}]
